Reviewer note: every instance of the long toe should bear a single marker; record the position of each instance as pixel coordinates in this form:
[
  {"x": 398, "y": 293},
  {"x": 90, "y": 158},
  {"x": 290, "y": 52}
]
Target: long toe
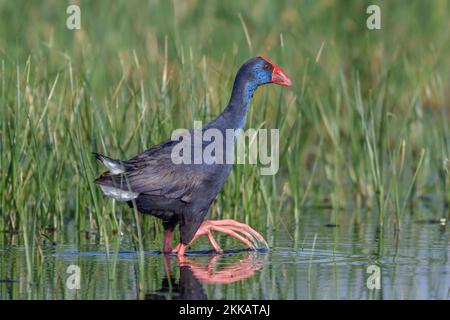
[
  {"x": 245, "y": 234},
  {"x": 177, "y": 248},
  {"x": 242, "y": 227},
  {"x": 214, "y": 243},
  {"x": 233, "y": 234},
  {"x": 237, "y": 230}
]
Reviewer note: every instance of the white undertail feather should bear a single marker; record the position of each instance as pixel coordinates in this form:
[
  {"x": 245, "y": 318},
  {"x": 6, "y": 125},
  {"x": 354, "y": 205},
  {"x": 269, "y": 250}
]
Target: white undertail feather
[
  {"x": 114, "y": 167},
  {"x": 119, "y": 194}
]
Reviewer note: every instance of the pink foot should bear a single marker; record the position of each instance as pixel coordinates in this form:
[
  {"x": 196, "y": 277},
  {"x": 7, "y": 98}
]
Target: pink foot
[
  {"x": 178, "y": 248},
  {"x": 249, "y": 236}
]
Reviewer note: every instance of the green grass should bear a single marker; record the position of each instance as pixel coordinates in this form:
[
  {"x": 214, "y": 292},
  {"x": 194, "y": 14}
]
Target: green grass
[{"x": 364, "y": 126}]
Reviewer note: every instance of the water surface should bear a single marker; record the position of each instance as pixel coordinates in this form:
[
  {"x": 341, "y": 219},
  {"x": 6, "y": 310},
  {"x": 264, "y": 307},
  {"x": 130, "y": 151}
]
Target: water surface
[{"x": 315, "y": 259}]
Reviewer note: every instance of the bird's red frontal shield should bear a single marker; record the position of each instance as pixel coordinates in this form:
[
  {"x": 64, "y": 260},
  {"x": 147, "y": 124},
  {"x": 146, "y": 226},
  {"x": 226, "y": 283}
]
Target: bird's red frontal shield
[{"x": 278, "y": 75}]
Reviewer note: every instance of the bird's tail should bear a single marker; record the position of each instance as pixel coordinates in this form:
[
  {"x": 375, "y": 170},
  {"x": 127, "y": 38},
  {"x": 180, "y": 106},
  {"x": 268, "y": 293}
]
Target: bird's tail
[
  {"x": 114, "y": 166},
  {"x": 106, "y": 180}
]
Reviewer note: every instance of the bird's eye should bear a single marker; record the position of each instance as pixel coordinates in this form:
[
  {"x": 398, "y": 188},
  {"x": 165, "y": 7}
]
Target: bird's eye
[{"x": 266, "y": 66}]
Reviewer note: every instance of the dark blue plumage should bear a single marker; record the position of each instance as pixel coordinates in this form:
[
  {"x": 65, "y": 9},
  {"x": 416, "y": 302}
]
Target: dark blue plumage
[{"x": 182, "y": 193}]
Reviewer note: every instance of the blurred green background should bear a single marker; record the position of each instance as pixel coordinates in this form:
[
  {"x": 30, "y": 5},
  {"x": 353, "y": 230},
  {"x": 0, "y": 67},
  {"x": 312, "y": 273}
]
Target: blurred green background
[
  {"x": 365, "y": 124},
  {"x": 364, "y": 140}
]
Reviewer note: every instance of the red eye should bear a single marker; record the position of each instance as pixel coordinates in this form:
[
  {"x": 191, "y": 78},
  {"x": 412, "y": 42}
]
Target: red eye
[{"x": 266, "y": 66}]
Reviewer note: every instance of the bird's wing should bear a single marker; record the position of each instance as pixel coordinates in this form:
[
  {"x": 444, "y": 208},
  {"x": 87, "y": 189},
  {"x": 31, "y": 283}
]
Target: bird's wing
[{"x": 153, "y": 172}]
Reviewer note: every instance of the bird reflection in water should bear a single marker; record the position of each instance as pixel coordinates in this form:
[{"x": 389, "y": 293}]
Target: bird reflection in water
[{"x": 193, "y": 273}]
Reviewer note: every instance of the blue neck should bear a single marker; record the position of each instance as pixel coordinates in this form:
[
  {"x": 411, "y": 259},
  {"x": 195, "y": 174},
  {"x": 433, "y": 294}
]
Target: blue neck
[{"x": 236, "y": 112}]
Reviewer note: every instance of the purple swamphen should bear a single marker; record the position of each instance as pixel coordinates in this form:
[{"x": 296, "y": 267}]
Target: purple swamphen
[{"x": 181, "y": 194}]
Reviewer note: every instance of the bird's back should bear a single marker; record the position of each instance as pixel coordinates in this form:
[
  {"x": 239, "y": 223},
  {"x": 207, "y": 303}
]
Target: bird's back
[{"x": 155, "y": 172}]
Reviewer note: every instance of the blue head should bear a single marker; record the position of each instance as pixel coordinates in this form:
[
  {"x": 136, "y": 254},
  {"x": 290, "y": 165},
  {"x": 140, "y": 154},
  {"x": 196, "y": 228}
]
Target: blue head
[{"x": 257, "y": 72}]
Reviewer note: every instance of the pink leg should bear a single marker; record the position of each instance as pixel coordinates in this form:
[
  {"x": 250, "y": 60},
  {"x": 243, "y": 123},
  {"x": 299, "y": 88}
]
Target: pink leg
[{"x": 167, "y": 248}]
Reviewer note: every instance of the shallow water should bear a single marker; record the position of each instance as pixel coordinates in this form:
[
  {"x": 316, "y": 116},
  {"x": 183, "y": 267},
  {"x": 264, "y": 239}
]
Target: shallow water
[{"x": 315, "y": 260}]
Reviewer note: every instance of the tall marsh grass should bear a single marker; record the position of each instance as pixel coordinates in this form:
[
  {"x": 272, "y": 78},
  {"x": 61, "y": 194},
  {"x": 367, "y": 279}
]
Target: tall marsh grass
[{"x": 365, "y": 125}]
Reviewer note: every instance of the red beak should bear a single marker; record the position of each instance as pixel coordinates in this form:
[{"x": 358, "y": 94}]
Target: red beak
[{"x": 278, "y": 75}]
